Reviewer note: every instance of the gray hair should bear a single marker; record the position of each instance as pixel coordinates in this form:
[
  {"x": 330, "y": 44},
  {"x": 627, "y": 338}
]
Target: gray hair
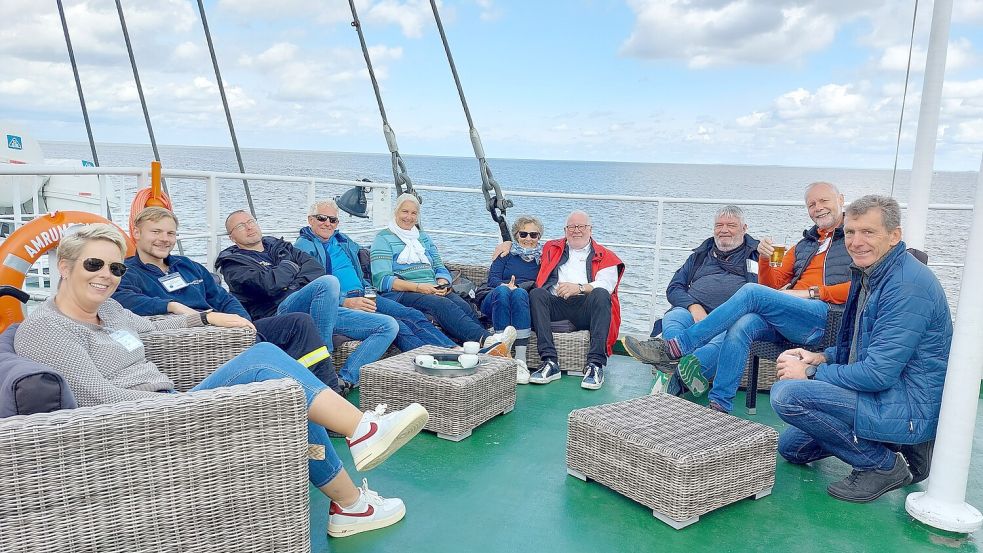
[
  {"x": 730, "y": 211},
  {"x": 581, "y": 212},
  {"x": 821, "y": 183},
  {"x": 323, "y": 203},
  {"x": 402, "y": 199},
  {"x": 890, "y": 210},
  {"x": 525, "y": 220},
  {"x": 70, "y": 246}
]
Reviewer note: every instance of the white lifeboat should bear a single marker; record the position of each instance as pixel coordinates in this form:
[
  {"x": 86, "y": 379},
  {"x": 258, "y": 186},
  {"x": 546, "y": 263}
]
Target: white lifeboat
[{"x": 18, "y": 148}]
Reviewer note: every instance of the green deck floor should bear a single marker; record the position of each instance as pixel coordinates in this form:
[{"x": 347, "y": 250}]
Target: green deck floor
[{"x": 505, "y": 488}]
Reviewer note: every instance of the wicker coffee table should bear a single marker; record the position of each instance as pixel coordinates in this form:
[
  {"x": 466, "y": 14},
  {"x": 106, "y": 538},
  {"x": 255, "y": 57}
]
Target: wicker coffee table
[
  {"x": 675, "y": 457},
  {"x": 456, "y": 405}
]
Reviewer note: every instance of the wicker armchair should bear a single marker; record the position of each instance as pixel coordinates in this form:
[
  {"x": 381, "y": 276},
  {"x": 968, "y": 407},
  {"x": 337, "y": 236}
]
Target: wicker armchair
[
  {"x": 771, "y": 351},
  {"x": 213, "y": 470},
  {"x": 188, "y": 355}
]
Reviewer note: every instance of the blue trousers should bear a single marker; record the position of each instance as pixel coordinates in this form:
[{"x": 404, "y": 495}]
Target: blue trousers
[
  {"x": 415, "y": 330},
  {"x": 822, "y": 416},
  {"x": 320, "y": 298},
  {"x": 754, "y": 312},
  {"x": 454, "y": 315},
  {"x": 267, "y": 362},
  {"x": 508, "y": 307}
]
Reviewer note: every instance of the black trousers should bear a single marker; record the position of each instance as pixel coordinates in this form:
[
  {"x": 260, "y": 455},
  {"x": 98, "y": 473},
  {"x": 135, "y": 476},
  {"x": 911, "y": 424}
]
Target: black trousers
[
  {"x": 586, "y": 312},
  {"x": 298, "y": 336}
]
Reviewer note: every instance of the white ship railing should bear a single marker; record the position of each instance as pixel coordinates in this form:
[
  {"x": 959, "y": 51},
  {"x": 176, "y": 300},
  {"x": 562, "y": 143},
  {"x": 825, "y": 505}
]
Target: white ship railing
[{"x": 379, "y": 199}]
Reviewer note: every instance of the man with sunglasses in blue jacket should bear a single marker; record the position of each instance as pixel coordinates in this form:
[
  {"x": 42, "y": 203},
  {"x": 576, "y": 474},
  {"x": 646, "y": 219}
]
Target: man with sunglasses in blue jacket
[{"x": 338, "y": 254}]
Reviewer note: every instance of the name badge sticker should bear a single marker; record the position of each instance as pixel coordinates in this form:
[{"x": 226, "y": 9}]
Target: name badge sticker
[
  {"x": 752, "y": 266},
  {"x": 126, "y": 339},
  {"x": 173, "y": 282}
]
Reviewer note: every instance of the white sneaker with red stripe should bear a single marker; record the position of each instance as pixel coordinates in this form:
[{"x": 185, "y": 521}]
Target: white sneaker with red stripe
[
  {"x": 370, "y": 512},
  {"x": 379, "y": 435}
]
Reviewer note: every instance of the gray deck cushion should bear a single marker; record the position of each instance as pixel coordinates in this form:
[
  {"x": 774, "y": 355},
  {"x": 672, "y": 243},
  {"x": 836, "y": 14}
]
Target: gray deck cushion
[{"x": 27, "y": 387}]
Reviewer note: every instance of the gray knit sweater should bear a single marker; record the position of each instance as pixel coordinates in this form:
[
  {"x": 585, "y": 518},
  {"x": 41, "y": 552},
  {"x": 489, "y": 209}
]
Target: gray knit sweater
[{"x": 102, "y": 364}]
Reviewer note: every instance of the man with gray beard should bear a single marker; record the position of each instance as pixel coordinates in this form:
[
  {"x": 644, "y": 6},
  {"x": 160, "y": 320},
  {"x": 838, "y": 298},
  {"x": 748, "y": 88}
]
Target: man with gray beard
[{"x": 715, "y": 270}]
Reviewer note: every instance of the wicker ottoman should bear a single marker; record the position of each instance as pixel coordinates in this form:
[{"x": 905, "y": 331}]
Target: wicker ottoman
[
  {"x": 677, "y": 458},
  {"x": 456, "y": 405},
  {"x": 571, "y": 351}
]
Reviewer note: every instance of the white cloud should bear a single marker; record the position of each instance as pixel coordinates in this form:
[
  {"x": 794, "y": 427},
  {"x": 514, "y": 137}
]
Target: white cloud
[
  {"x": 735, "y": 31},
  {"x": 411, "y": 16}
]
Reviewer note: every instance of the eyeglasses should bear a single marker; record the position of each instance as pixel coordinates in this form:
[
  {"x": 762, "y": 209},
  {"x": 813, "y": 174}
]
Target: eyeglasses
[
  {"x": 523, "y": 234},
  {"x": 244, "y": 224},
  {"x": 576, "y": 228},
  {"x": 323, "y": 218},
  {"x": 94, "y": 265}
]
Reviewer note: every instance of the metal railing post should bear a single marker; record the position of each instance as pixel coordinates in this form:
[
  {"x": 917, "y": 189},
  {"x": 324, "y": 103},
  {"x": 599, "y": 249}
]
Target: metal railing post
[
  {"x": 943, "y": 505},
  {"x": 104, "y": 198},
  {"x": 18, "y": 213},
  {"x": 656, "y": 262},
  {"x": 311, "y": 194},
  {"x": 381, "y": 208},
  {"x": 211, "y": 214}
]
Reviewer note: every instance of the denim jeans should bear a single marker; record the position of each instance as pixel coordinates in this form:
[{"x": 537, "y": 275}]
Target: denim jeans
[
  {"x": 822, "y": 416},
  {"x": 454, "y": 315},
  {"x": 265, "y": 361},
  {"x": 507, "y": 307},
  {"x": 678, "y": 319},
  {"x": 320, "y": 298},
  {"x": 755, "y": 312},
  {"x": 415, "y": 330}
]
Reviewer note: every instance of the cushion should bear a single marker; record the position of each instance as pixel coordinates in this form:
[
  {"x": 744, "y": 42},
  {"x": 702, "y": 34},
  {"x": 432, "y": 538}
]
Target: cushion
[
  {"x": 26, "y": 386},
  {"x": 562, "y": 326}
]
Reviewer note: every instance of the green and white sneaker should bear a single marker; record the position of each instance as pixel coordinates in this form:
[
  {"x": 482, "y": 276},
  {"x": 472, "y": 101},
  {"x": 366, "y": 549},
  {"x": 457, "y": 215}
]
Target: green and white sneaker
[
  {"x": 661, "y": 383},
  {"x": 691, "y": 375}
]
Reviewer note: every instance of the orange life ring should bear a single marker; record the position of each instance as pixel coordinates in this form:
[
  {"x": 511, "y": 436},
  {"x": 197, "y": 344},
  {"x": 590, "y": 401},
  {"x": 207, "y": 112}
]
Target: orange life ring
[{"x": 28, "y": 243}]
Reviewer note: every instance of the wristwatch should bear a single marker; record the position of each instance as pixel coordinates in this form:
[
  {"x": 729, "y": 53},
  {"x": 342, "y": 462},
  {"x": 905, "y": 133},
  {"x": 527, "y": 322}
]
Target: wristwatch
[
  {"x": 811, "y": 372},
  {"x": 581, "y": 288},
  {"x": 813, "y": 292}
]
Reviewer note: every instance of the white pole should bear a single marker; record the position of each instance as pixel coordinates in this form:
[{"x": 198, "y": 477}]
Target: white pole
[
  {"x": 944, "y": 505},
  {"x": 211, "y": 220},
  {"x": 656, "y": 264},
  {"x": 928, "y": 126}
]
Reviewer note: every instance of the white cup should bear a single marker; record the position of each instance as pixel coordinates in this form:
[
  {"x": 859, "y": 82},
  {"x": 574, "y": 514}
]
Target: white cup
[
  {"x": 471, "y": 347},
  {"x": 467, "y": 360}
]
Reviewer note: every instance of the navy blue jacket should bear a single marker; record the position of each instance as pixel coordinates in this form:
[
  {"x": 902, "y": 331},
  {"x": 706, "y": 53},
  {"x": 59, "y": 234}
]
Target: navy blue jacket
[
  {"x": 905, "y": 334},
  {"x": 260, "y": 289},
  {"x": 503, "y": 268},
  {"x": 141, "y": 292},
  {"x": 678, "y": 290}
]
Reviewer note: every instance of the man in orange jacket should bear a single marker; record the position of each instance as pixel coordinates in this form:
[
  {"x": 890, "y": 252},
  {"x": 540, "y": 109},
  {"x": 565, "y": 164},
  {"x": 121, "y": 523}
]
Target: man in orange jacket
[
  {"x": 578, "y": 281},
  {"x": 790, "y": 301}
]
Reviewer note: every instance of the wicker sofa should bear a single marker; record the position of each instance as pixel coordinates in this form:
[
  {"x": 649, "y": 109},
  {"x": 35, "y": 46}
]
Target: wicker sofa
[{"x": 213, "y": 470}]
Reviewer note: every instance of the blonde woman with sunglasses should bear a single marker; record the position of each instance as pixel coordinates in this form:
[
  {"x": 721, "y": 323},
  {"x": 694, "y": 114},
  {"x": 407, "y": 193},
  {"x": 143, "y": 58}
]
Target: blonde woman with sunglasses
[{"x": 95, "y": 344}]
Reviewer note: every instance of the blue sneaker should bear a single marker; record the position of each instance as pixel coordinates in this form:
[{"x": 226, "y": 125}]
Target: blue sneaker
[
  {"x": 548, "y": 371},
  {"x": 593, "y": 377}
]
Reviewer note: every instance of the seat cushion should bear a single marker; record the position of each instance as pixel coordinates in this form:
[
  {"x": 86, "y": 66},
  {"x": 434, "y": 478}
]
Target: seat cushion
[{"x": 27, "y": 387}]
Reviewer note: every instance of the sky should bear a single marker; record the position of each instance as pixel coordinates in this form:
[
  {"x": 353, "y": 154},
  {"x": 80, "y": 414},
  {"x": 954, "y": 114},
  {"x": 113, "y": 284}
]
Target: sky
[{"x": 761, "y": 82}]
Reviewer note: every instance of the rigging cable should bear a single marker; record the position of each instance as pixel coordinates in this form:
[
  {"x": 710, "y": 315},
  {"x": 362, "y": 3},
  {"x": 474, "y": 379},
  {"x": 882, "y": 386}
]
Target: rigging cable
[
  {"x": 143, "y": 100},
  {"x": 400, "y": 177},
  {"x": 497, "y": 203},
  {"x": 904, "y": 96},
  {"x": 78, "y": 84},
  {"x": 225, "y": 104}
]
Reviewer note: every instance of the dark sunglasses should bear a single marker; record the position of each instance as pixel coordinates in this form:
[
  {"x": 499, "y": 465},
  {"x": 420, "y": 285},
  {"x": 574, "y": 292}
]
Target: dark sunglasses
[
  {"x": 534, "y": 235},
  {"x": 323, "y": 218},
  {"x": 94, "y": 264}
]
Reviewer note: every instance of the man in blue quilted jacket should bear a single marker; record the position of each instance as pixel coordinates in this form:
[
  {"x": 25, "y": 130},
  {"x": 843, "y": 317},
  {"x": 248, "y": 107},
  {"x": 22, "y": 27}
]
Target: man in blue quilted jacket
[{"x": 879, "y": 389}]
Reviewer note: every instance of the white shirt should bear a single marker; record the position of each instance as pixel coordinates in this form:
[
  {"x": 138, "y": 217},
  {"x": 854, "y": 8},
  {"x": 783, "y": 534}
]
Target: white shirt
[{"x": 575, "y": 271}]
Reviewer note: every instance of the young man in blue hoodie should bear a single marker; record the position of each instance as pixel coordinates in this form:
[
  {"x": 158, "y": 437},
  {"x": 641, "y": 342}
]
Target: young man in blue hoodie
[
  {"x": 338, "y": 254},
  {"x": 159, "y": 283}
]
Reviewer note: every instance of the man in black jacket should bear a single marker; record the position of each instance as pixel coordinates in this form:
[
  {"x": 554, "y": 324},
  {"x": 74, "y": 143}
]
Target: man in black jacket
[
  {"x": 715, "y": 270},
  {"x": 269, "y": 276}
]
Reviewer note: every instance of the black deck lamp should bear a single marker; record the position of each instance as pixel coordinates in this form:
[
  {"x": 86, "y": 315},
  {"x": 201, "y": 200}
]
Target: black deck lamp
[{"x": 354, "y": 201}]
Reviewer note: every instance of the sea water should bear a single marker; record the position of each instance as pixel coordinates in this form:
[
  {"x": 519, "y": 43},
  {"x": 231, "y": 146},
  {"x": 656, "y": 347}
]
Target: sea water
[{"x": 282, "y": 207}]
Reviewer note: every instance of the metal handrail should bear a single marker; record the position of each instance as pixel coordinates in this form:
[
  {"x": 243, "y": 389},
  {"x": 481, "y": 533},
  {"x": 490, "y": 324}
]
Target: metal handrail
[{"x": 215, "y": 232}]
